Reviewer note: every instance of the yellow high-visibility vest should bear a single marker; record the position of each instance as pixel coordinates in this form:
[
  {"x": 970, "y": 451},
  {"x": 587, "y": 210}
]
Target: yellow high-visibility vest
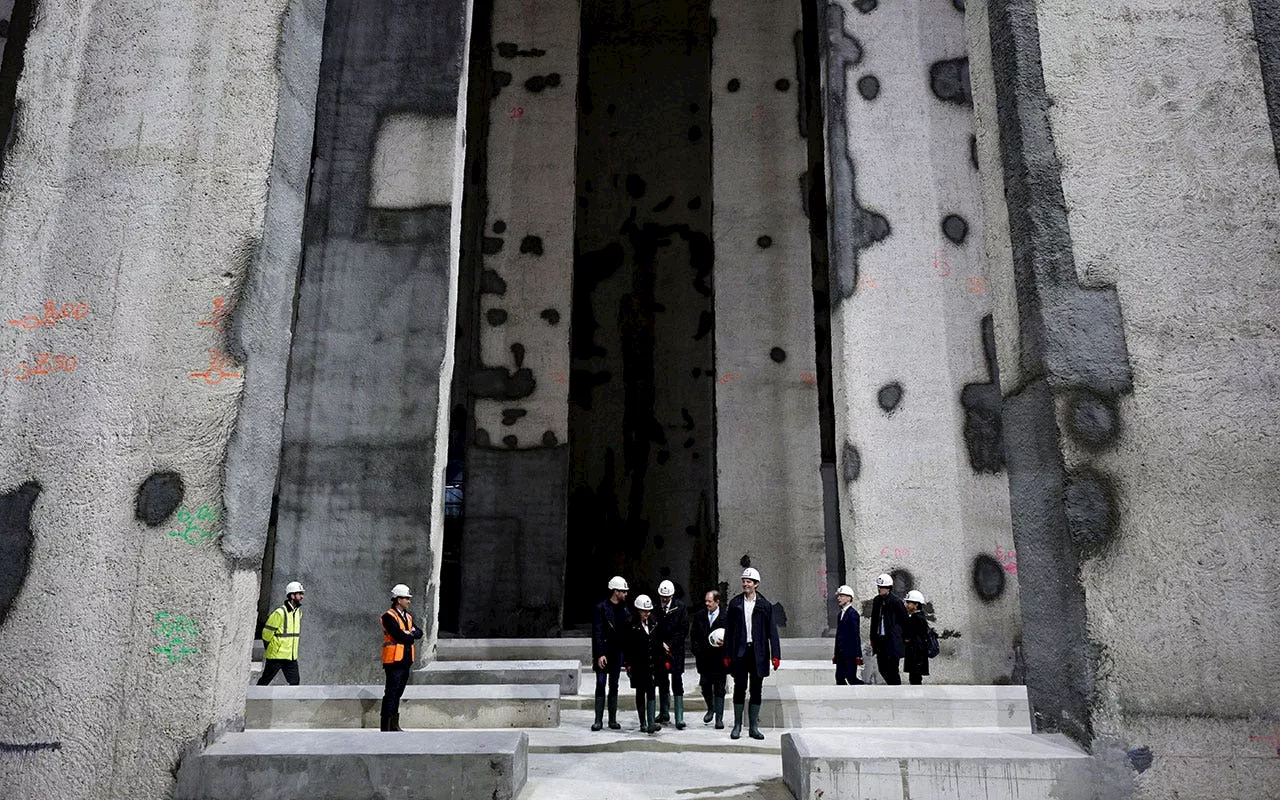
[{"x": 280, "y": 634}]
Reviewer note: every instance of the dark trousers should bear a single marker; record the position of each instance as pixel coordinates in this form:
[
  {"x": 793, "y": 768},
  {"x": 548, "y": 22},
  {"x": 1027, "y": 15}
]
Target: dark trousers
[
  {"x": 397, "y": 679},
  {"x": 676, "y": 682},
  {"x": 916, "y": 678},
  {"x": 712, "y": 685},
  {"x": 611, "y": 676},
  {"x": 276, "y": 665},
  {"x": 888, "y": 669},
  {"x": 847, "y": 672},
  {"x": 744, "y": 670}
]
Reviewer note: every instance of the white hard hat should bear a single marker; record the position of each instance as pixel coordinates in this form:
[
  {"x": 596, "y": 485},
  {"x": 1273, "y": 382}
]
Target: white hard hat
[
  {"x": 400, "y": 590},
  {"x": 666, "y": 589},
  {"x": 884, "y": 579},
  {"x": 716, "y": 637},
  {"x": 293, "y": 588},
  {"x": 752, "y": 573},
  {"x": 618, "y": 583},
  {"x": 643, "y": 603},
  {"x": 845, "y": 590},
  {"x": 914, "y": 596}
]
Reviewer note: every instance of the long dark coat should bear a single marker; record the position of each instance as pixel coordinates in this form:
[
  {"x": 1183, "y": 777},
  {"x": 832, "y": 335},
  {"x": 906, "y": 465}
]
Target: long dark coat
[
  {"x": 895, "y": 616},
  {"x": 609, "y": 633},
  {"x": 764, "y": 633},
  {"x": 916, "y": 639},
  {"x": 674, "y": 627},
  {"x": 848, "y": 635},
  {"x": 708, "y": 659},
  {"x": 645, "y": 658}
]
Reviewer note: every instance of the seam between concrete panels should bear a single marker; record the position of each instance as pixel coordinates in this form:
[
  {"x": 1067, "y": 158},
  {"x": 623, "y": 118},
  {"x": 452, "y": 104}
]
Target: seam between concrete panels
[{"x": 1266, "y": 30}]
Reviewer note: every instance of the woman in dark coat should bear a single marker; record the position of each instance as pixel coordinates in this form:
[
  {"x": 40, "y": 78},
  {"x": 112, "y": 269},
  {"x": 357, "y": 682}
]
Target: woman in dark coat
[
  {"x": 915, "y": 636},
  {"x": 646, "y": 662}
]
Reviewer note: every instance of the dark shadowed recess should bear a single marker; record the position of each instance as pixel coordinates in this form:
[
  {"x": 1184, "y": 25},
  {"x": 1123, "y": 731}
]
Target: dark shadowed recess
[
  {"x": 11, "y": 69},
  {"x": 15, "y": 542}
]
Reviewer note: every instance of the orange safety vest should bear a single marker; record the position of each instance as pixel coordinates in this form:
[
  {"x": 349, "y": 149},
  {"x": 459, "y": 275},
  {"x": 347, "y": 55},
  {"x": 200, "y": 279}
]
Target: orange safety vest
[{"x": 393, "y": 651}]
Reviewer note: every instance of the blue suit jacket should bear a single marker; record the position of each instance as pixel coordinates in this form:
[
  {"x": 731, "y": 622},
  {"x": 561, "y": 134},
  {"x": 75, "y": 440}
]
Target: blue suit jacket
[
  {"x": 848, "y": 635},
  {"x": 764, "y": 633}
]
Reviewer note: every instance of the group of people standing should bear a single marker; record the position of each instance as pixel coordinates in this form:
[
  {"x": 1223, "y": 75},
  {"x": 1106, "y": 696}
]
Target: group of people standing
[
  {"x": 900, "y": 633},
  {"x": 649, "y": 646}
]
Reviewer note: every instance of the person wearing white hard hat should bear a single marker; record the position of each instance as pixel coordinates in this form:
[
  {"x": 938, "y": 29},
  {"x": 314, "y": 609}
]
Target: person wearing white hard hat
[
  {"x": 673, "y": 625},
  {"x": 609, "y": 626},
  {"x": 888, "y": 615},
  {"x": 646, "y": 662},
  {"x": 280, "y": 637},
  {"x": 706, "y": 638},
  {"x": 750, "y": 645},
  {"x": 399, "y": 650},
  {"x": 915, "y": 637},
  {"x": 848, "y": 655}
]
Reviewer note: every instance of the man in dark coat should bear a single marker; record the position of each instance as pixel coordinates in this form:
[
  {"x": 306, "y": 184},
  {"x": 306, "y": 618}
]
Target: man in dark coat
[
  {"x": 750, "y": 645},
  {"x": 848, "y": 655},
  {"x": 673, "y": 626},
  {"x": 888, "y": 615},
  {"x": 608, "y": 640},
  {"x": 708, "y": 657}
]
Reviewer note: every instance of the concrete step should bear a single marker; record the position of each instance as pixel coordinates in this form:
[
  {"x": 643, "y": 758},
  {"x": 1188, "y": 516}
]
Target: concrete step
[
  {"x": 931, "y": 764},
  {"x": 799, "y": 648},
  {"x": 807, "y": 672},
  {"x": 340, "y": 765},
  {"x": 335, "y": 706},
  {"x": 565, "y": 673}
]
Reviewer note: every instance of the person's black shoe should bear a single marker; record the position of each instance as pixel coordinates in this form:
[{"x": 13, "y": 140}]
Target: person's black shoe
[{"x": 595, "y": 726}]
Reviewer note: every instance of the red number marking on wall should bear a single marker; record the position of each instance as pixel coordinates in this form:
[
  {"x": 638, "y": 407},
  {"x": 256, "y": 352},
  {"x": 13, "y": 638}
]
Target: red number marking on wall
[
  {"x": 51, "y": 315},
  {"x": 940, "y": 265},
  {"x": 809, "y": 378},
  {"x": 895, "y": 552},
  {"x": 517, "y": 112},
  {"x": 757, "y": 113},
  {"x": 45, "y": 364},
  {"x": 976, "y": 284},
  {"x": 559, "y": 377},
  {"x": 729, "y": 376},
  {"x": 215, "y": 374},
  {"x": 1274, "y": 740},
  {"x": 1009, "y": 558},
  {"x": 218, "y": 315},
  {"x": 865, "y": 284}
]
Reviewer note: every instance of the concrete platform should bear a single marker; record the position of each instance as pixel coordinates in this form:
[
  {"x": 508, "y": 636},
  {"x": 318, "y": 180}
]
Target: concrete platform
[
  {"x": 579, "y": 648},
  {"x": 566, "y": 673},
  {"x": 931, "y": 764},
  {"x": 358, "y": 765},
  {"x": 421, "y": 707}
]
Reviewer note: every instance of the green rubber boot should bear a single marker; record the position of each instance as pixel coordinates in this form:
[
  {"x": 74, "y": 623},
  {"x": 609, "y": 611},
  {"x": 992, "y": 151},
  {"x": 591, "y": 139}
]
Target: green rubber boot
[
  {"x": 599, "y": 723},
  {"x": 711, "y": 705},
  {"x": 654, "y": 727},
  {"x": 664, "y": 702},
  {"x": 736, "y": 733},
  {"x": 719, "y": 713},
  {"x": 613, "y": 713},
  {"x": 753, "y": 719},
  {"x": 640, "y": 711},
  {"x": 679, "y": 701}
]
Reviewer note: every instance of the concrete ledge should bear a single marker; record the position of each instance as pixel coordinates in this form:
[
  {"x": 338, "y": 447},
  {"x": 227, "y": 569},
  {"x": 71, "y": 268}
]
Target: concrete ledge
[
  {"x": 333, "y": 706},
  {"x": 565, "y": 673},
  {"x": 358, "y": 765},
  {"x": 924, "y": 764}
]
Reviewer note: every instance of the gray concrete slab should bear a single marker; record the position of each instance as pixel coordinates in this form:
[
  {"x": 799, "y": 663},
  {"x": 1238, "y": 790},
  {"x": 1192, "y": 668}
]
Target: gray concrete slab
[
  {"x": 930, "y": 764},
  {"x": 334, "y": 706},
  {"x": 566, "y": 673},
  {"x": 358, "y": 765}
]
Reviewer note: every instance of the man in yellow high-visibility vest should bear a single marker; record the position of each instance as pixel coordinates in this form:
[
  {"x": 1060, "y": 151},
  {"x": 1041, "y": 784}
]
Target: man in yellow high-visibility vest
[{"x": 280, "y": 636}]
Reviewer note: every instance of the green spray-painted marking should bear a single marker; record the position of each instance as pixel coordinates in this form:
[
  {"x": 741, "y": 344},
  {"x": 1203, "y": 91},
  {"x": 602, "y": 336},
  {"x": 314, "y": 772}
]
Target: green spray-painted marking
[
  {"x": 194, "y": 534},
  {"x": 177, "y": 633}
]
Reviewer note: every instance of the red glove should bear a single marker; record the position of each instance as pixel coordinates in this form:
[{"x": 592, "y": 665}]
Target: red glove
[
  {"x": 726, "y": 663},
  {"x": 777, "y": 662},
  {"x": 667, "y": 664},
  {"x": 833, "y": 659},
  {"x": 858, "y": 661}
]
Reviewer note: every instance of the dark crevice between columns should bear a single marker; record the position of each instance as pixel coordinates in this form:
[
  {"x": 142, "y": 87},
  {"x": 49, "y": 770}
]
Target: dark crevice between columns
[
  {"x": 1266, "y": 30},
  {"x": 15, "y": 52}
]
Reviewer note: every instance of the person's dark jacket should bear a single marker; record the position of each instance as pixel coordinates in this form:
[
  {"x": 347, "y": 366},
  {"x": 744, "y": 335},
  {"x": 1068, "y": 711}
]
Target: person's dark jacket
[
  {"x": 609, "y": 633},
  {"x": 890, "y": 607},
  {"x": 392, "y": 627},
  {"x": 674, "y": 628},
  {"x": 848, "y": 635},
  {"x": 708, "y": 659},
  {"x": 916, "y": 638},
  {"x": 645, "y": 659},
  {"x": 764, "y": 634}
]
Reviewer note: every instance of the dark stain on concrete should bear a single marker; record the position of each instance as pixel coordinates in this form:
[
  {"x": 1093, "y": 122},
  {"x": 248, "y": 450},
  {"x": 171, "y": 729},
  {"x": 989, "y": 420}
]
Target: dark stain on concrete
[
  {"x": 499, "y": 227},
  {"x": 988, "y": 578},
  {"x": 481, "y": 438},
  {"x": 158, "y": 497},
  {"x": 852, "y": 463},
  {"x": 706, "y": 324},
  {"x": 15, "y": 541},
  {"x": 496, "y": 316},
  {"x": 1141, "y": 758},
  {"x": 955, "y": 228},
  {"x": 694, "y": 204},
  {"x": 583, "y": 382},
  {"x": 1093, "y": 419},
  {"x": 517, "y": 353},
  {"x": 869, "y": 87},
  {"x": 28, "y": 747},
  {"x": 500, "y": 80},
  {"x": 949, "y": 80},
  {"x": 491, "y": 245},
  {"x": 664, "y": 205},
  {"x": 733, "y": 85},
  {"x": 512, "y": 415},
  {"x": 778, "y": 355},
  {"x": 866, "y": 6},
  {"x": 635, "y": 186},
  {"x": 782, "y": 84},
  {"x": 958, "y": 5},
  {"x": 973, "y": 150},
  {"x": 1090, "y": 507},
  {"x": 764, "y": 242},
  {"x": 531, "y": 245},
  {"x": 551, "y": 316},
  {"x": 499, "y": 383},
  {"x": 983, "y": 424},
  {"x": 889, "y": 396},
  {"x": 539, "y": 82},
  {"x": 492, "y": 283},
  {"x": 549, "y": 439},
  {"x": 903, "y": 580},
  {"x": 512, "y": 50},
  {"x": 695, "y": 133},
  {"x": 511, "y": 441}
]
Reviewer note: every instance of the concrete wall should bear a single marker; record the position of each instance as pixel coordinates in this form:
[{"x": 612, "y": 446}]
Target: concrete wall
[
  {"x": 1141, "y": 181},
  {"x": 363, "y": 456},
  {"x": 924, "y": 495},
  {"x": 768, "y": 483},
  {"x": 153, "y": 187}
]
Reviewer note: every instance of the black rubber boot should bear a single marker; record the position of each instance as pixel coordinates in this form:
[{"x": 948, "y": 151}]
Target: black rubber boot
[
  {"x": 386, "y": 725},
  {"x": 395, "y": 723},
  {"x": 613, "y": 713},
  {"x": 641, "y": 712},
  {"x": 711, "y": 705},
  {"x": 599, "y": 723},
  {"x": 654, "y": 727},
  {"x": 679, "y": 703},
  {"x": 736, "y": 733},
  {"x": 719, "y": 713},
  {"x": 753, "y": 720},
  {"x": 664, "y": 693}
]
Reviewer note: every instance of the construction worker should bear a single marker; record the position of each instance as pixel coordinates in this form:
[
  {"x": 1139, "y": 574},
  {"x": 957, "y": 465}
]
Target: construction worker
[
  {"x": 750, "y": 644},
  {"x": 915, "y": 637},
  {"x": 608, "y": 639},
  {"x": 887, "y": 617},
  {"x": 706, "y": 637},
  {"x": 646, "y": 662},
  {"x": 280, "y": 637},
  {"x": 848, "y": 655},
  {"x": 673, "y": 626},
  {"x": 399, "y": 633}
]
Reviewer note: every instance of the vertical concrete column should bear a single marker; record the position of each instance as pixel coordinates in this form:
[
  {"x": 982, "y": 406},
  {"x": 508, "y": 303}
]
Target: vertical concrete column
[
  {"x": 360, "y": 498},
  {"x": 923, "y": 492},
  {"x": 151, "y": 209},
  {"x": 516, "y": 488},
  {"x": 768, "y": 458},
  {"x": 1139, "y": 189}
]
